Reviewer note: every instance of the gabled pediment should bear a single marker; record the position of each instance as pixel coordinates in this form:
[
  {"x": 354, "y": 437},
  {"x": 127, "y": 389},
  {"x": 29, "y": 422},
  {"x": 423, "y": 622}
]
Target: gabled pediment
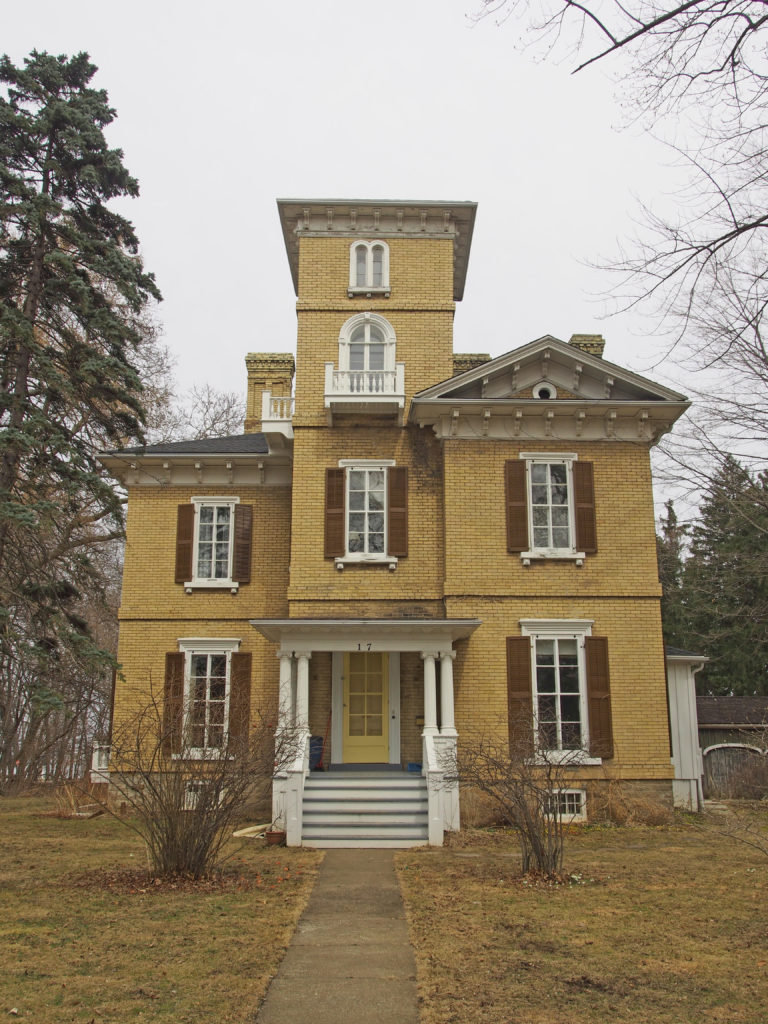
[
  {"x": 549, "y": 388},
  {"x": 573, "y": 374}
]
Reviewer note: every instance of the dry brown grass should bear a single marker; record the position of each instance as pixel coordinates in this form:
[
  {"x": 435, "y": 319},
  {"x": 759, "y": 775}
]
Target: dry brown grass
[
  {"x": 662, "y": 925},
  {"x": 87, "y": 935}
]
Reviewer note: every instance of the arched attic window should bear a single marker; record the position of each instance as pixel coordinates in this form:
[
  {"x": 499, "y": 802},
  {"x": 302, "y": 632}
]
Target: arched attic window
[{"x": 368, "y": 268}]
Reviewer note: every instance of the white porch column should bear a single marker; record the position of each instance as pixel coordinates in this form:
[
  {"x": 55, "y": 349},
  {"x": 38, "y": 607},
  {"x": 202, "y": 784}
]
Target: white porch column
[
  {"x": 447, "y": 722},
  {"x": 430, "y": 695},
  {"x": 302, "y": 692},
  {"x": 285, "y": 703}
]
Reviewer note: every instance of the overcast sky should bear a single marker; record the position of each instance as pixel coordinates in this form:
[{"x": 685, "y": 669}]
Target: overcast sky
[{"x": 224, "y": 107}]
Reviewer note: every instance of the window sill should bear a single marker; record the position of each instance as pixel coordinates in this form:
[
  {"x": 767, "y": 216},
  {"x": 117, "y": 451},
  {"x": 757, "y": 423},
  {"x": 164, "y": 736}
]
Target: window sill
[
  {"x": 367, "y": 292},
  {"x": 553, "y": 555},
  {"x": 388, "y": 560},
  {"x": 232, "y": 585},
  {"x": 568, "y": 758},
  {"x": 199, "y": 754}
]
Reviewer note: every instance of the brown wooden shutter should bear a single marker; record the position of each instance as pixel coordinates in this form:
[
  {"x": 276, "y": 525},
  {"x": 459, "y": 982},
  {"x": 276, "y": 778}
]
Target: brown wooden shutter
[
  {"x": 584, "y": 507},
  {"x": 239, "y": 700},
  {"x": 335, "y": 532},
  {"x": 519, "y": 696},
  {"x": 517, "y": 505},
  {"x": 173, "y": 703},
  {"x": 598, "y": 697},
  {"x": 397, "y": 511},
  {"x": 185, "y": 537},
  {"x": 241, "y": 557}
]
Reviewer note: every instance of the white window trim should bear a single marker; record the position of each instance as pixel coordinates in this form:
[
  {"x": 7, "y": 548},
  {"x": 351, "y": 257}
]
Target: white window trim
[
  {"x": 356, "y": 557},
  {"x": 205, "y": 645},
  {"x": 561, "y": 554},
  {"x": 572, "y": 819},
  {"x": 196, "y": 582},
  {"x": 375, "y": 320},
  {"x": 537, "y": 388},
  {"x": 563, "y": 629},
  {"x": 368, "y": 289}
]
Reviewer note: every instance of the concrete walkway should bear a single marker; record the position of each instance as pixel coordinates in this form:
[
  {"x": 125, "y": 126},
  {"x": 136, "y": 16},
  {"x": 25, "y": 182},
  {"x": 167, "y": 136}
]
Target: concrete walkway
[{"x": 350, "y": 958}]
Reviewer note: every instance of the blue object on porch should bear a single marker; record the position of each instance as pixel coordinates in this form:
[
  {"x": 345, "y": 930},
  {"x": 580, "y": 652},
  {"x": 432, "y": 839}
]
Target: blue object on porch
[
  {"x": 315, "y": 752},
  {"x": 414, "y": 766}
]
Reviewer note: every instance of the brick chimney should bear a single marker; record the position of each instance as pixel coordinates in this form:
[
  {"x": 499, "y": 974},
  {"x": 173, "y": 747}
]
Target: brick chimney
[
  {"x": 591, "y": 343},
  {"x": 267, "y": 371}
]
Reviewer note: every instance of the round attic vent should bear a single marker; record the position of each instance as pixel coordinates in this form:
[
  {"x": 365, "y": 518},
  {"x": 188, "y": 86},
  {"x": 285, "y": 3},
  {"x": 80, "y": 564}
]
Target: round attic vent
[{"x": 545, "y": 391}]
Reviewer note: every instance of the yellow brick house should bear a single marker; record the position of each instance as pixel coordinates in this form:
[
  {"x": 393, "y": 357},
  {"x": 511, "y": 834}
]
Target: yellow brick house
[{"x": 407, "y": 546}]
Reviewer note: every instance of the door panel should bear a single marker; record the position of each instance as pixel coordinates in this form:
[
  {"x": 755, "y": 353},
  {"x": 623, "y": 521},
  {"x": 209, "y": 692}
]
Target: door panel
[{"x": 366, "y": 711}]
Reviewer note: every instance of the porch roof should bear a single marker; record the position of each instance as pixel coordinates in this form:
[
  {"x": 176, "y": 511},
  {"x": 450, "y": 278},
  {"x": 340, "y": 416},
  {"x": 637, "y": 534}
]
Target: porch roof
[{"x": 383, "y": 634}]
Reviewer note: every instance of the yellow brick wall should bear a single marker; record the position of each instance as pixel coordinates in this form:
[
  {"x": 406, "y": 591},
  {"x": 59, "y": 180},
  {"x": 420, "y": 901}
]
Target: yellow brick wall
[
  {"x": 149, "y": 590},
  {"x": 144, "y": 644},
  {"x": 420, "y": 310},
  {"x": 477, "y": 561},
  {"x": 155, "y": 612},
  {"x": 317, "y": 588},
  {"x": 636, "y": 660}
]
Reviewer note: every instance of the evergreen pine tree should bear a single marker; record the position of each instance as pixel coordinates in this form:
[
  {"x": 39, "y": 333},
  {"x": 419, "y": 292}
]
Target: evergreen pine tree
[
  {"x": 72, "y": 292},
  {"x": 725, "y": 582},
  {"x": 669, "y": 547}
]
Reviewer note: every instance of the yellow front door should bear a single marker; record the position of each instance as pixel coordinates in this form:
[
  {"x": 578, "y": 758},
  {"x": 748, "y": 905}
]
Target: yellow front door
[{"x": 366, "y": 708}]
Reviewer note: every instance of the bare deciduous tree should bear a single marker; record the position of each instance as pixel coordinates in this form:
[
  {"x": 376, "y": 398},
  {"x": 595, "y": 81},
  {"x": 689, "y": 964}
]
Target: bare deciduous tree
[{"x": 696, "y": 73}]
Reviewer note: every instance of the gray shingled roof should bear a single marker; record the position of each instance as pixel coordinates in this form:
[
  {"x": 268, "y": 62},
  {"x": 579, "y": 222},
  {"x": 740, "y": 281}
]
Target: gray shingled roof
[
  {"x": 678, "y": 652},
  {"x": 235, "y": 444},
  {"x": 732, "y": 710}
]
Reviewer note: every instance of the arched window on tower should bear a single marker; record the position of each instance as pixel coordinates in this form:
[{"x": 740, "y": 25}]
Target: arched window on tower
[{"x": 368, "y": 268}]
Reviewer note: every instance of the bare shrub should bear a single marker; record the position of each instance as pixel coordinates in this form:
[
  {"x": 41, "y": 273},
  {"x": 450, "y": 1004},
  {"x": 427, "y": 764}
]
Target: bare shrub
[
  {"x": 183, "y": 806},
  {"x": 525, "y": 790},
  {"x": 612, "y": 801}
]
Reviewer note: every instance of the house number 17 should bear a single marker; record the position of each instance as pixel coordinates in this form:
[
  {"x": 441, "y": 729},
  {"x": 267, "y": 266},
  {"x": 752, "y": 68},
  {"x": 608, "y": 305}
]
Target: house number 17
[{"x": 364, "y": 647}]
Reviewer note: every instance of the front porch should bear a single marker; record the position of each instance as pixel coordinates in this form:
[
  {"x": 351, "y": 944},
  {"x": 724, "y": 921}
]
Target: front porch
[{"x": 383, "y": 692}]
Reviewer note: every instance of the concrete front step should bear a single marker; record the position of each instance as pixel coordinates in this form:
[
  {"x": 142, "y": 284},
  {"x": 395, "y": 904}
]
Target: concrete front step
[
  {"x": 364, "y": 793},
  {"x": 356, "y": 843},
  {"x": 356, "y": 809},
  {"x": 356, "y": 805},
  {"x": 316, "y": 818}
]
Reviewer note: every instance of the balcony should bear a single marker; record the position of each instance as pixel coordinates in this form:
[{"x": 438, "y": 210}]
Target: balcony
[
  {"x": 276, "y": 414},
  {"x": 365, "y": 391}
]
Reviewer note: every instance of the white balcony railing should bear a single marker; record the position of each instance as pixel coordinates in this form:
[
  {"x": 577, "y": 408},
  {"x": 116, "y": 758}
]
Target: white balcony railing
[
  {"x": 361, "y": 390},
  {"x": 277, "y": 413},
  {"x": 276, "y": 407}
]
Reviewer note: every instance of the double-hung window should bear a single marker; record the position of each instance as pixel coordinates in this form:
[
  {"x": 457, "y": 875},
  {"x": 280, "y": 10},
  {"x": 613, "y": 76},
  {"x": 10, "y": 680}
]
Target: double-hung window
[
  {"x": 550, "y": 507},
  {"x": 366, "y": 512},
  {"x": 213, "y": 548},
  {"x": 559, "y": 710},
  {"x": 213, "y": 543},
  {"x": 559, "y": 690},
  {"x": 368, "y": 268},
  {"x": 207, "y": 697}
]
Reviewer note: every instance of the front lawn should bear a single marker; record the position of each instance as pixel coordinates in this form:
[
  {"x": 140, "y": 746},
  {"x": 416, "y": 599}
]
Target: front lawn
[
  {"x": 657, "y": 925},
  {"x": 86, "y": 934}
]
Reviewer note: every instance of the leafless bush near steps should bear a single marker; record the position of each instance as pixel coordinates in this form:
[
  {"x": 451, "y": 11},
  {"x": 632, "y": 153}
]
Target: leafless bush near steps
[
  {"x": 524, "y": 789},
  {"x": 184, "y": 806}
]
